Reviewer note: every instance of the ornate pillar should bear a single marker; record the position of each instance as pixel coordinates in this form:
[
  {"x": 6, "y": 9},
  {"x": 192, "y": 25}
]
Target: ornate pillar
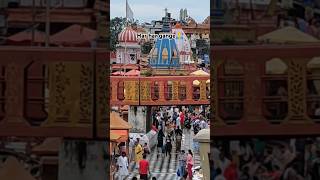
[
  {"x": 161, "y": 90},
  {"x": 132, "y": 91},
  {"x": 14, "y": 93},
  {"x": 189, "y": 90},
  {"x": 252, "y": 98},
  {"x": 175, "y": 90},
  {"x": 114, "y": 90},
  {"x": 145, "y": 91},
  {"x": 203, "y": 90},
  {"x": 296, "y": 90}
]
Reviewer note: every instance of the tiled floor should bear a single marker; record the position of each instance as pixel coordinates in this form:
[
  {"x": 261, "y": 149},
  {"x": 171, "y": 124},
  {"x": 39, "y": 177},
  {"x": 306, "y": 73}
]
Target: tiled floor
[{"x": 165, "y": 168}]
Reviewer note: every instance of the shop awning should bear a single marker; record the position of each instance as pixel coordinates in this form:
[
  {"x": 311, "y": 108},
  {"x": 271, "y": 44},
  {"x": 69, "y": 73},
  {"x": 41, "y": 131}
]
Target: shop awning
[
  {"x": 74, "y": 35},
  {"x": 114, "y": 137},
  {"x": 117, "y": 123},
  {"x": 14, "y": 170},
  {"x": 25, "y": 37},
  {"x": 123, "y": 135}
]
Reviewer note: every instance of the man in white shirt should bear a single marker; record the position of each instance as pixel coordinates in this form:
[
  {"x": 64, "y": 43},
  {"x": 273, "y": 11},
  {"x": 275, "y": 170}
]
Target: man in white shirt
[{"x": 123, "y": 166}]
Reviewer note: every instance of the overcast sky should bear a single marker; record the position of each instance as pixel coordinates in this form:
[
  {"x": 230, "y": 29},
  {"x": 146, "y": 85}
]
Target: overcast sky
[{"x": 148, "y": 10}]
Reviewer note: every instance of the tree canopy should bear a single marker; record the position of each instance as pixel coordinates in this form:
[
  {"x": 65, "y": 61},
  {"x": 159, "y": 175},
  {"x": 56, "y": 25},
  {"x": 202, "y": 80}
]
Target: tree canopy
[{"x": 116, "y": 26}]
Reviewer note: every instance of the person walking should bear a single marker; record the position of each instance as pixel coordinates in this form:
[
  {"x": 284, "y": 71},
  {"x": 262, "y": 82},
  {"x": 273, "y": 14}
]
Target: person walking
[
  {"x": 123, "y": 166},
  {"x": 182, "y": 163},
  {"x": 182, "y": 119},
  {"x": 178, "y": 133},
  {"x": 138, "y": 152},
  {"x": 168, "y": 145},
  {"x": 144, "y": 168},
  {"x": 146, "y": 149},
  {"x": 190, "y": 164},
  {"x": 160, "y": 141}
]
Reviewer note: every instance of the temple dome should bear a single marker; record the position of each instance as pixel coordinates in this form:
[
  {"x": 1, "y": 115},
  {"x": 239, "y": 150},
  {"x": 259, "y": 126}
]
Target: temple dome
[
  {"x": 128, "y": 35},
  {"x": 164, "y": 54}
]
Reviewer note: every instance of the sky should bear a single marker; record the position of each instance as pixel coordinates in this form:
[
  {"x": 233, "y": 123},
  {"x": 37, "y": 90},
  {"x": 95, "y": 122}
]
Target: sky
[{"x": 148, "y": 10}]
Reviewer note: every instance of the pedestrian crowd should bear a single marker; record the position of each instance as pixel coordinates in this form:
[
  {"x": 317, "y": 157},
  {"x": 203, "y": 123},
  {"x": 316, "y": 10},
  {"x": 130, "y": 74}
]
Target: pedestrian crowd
[
  {"x": 171, "y": 125},
  {"x": 294, "y": 159},
  {"x": 139, "y": 154}
]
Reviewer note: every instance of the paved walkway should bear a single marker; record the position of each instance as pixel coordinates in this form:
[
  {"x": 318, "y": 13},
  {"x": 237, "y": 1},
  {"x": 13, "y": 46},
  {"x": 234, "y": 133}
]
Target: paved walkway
[{"x": 165, "y": 168}]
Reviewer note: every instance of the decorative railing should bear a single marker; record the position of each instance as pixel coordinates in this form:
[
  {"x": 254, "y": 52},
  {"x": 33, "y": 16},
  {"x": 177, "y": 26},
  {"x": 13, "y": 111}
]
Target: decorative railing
[
  {"x": 280, "y": 90},
  {"x": 50, "y": 92},
  {"x": 159, "y": 90}
]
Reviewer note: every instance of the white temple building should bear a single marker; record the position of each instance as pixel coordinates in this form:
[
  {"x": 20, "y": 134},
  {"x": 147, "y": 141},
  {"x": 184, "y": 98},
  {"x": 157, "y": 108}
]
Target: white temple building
[
  {"x": 128, "y": 49},
  {"x": 183, "y": 45}
]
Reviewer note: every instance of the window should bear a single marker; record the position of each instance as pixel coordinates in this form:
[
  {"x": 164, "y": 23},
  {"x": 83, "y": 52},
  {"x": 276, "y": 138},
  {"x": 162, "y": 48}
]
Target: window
[
  {"x": 168, "y": 90},
  {"x": 313, "y": 89},
  {"x": 230, "y": 91},
  {"x": 182, "y": 91},
  {"x": 154, "y": 91},
  {"x": 275, "y": 101},
  {"x": 133, "y": 58},
  {"x": 121, "y": 91},
  {"x": 196, "y": 89}
]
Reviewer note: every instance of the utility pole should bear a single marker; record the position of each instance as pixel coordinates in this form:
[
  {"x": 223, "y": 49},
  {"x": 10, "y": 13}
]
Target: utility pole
[{"x": 48, "y": 2}]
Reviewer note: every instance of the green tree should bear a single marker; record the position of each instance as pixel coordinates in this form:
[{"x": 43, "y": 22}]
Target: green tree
[
  {"x": 116, "y": 26},
  {"x": 146, "y": 47}
]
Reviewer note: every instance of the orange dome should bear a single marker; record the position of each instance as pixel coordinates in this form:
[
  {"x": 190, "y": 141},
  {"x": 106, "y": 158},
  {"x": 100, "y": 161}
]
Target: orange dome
[{"x": 127, "y": 35}]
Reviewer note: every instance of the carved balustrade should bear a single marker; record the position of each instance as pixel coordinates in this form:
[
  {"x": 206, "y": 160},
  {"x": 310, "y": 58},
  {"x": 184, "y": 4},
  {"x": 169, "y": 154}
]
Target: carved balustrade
[
  {"x": 159, "y": 90},
  {"x": 266, "y": 90},
  {"x": 49, "y": 92}
]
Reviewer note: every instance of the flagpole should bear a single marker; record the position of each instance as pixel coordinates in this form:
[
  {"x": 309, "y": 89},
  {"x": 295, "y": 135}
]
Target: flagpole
[
  {"x": 125, "y": 40},
  {"x": 126, "y": 10}
]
